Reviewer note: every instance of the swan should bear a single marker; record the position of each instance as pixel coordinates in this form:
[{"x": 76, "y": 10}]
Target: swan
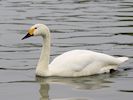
[{"x": 74, "y": 63}]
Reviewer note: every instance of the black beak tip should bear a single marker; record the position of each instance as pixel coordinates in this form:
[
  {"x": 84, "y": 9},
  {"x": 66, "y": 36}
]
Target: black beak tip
[
  {"x": 26, "y": 36},
  {"x": 23, "y": 38}
]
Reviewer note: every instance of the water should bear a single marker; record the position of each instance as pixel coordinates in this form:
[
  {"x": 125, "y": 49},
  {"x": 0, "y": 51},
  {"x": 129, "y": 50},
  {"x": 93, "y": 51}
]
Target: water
[{"x": 99, "y": 25}]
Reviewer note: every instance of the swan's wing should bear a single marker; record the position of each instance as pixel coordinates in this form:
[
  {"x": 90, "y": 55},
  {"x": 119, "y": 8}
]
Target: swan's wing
[
  {"x": 77, "y": 60},
  {"x": 72, "y": 60}
]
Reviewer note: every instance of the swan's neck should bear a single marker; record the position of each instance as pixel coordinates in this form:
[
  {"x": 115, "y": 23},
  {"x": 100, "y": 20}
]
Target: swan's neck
[{"x": 42, "y": 67}]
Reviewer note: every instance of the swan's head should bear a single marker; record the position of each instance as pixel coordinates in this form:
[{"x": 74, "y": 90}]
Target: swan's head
[{"x": 37, "y": 30}]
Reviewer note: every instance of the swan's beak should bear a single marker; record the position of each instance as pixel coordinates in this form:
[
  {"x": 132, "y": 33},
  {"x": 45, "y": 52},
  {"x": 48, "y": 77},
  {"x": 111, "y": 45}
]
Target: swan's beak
[{"x": 27, "y": 36}]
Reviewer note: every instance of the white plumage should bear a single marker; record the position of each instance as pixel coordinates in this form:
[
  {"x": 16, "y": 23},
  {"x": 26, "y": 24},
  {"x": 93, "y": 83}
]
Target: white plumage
[
  {"x": 73, "y": 63},
  {"x": 83, "y": 63}
]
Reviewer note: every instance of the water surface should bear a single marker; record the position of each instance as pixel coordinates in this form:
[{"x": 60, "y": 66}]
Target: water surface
[{"x": 99, "y": 25}]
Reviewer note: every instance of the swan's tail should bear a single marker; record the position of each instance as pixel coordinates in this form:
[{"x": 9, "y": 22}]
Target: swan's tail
[
  {"x": 114, "y": 67},
  {"x": 123, "y": 59}
]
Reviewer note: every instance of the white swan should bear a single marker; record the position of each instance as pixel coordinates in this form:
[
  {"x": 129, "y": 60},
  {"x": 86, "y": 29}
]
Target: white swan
[{"x": 73, "y": 63}]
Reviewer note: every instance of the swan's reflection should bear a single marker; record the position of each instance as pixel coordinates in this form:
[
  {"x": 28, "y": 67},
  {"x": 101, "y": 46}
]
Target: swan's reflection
[
  {"x": 44, "y": 88},
  {"x": 85, "y": 83}
]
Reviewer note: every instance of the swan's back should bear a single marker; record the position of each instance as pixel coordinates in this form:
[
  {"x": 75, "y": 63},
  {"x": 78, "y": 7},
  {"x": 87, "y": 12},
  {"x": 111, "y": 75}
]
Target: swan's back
[{"x": 83, "y": 62}]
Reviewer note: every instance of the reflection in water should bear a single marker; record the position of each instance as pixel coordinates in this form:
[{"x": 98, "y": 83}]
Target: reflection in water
[
  {"x": 44, "y": 88},
  {"x": 84, "y": 83}
]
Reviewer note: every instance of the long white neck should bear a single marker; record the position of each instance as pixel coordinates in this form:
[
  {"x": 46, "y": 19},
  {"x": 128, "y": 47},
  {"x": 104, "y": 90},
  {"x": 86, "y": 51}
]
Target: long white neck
[{"x": 42, "y": 67}]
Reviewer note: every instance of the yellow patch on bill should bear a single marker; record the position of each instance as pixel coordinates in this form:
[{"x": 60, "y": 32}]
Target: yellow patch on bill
[{"x": 31, "y": 31}]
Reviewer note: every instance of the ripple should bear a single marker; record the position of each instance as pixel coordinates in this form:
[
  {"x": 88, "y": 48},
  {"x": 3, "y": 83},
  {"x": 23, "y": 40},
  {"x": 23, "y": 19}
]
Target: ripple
[
  {"x": 24, "y": 81},
  {"x": 130, "y": 34},
  {"x": 16, "y": 69},
  {"x": 80, "y": 36},
  {"x": 128, "y": 91},
  {"x": 27, "y": 45},
  {"x": 10, "y": 51}
]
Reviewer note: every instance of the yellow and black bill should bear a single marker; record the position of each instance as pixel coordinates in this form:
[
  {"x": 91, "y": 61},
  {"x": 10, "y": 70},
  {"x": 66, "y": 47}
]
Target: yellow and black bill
[{"x": 27, "y": 36}]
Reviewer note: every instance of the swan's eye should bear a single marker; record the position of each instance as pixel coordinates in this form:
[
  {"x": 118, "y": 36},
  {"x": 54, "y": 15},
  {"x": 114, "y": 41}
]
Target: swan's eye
[{"x": 35, "y": 27}]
